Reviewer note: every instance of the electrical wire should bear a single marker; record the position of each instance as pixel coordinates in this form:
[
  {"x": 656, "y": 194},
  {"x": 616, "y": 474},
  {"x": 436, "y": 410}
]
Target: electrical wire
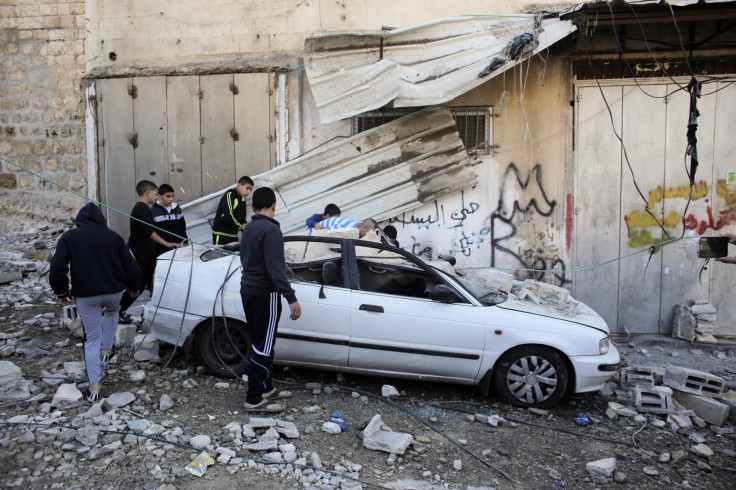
[{"x": 623, "y": 147}]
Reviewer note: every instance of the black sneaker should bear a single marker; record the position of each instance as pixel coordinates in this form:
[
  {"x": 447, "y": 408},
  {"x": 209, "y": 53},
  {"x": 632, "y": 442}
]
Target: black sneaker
[
  {"x": 124, "y": 319},
  {"x": 93, "y": 397}
]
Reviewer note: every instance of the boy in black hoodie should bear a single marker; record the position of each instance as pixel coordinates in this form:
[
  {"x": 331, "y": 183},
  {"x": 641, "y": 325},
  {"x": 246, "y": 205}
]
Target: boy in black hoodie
[
  {"x": 264, "y": 281},
  {"x": 102, "y": 267}
]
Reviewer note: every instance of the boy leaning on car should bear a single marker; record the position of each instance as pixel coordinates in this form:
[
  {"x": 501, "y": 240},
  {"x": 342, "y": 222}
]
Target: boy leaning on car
[{"x": 264, "y": 282}]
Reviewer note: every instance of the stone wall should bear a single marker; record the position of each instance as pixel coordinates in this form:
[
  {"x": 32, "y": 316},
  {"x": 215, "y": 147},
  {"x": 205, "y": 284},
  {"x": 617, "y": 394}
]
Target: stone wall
[{"x": 41, "y": 110}]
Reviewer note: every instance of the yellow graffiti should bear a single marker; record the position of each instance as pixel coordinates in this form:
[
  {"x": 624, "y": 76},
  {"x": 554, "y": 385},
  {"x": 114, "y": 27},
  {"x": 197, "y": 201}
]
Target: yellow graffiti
[
  {"x": 700, "y": 190},
  {"x": 643, "y": 238},
  {"x": 641, "y": 219},
  {"x": 637, "y": 221},
  {"x": 728, "y": 195}
]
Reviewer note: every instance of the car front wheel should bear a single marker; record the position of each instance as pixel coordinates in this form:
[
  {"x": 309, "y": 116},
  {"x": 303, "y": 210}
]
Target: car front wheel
[
  {"x": 223, "y": 348},
  {"x": 531, "y": 376}
]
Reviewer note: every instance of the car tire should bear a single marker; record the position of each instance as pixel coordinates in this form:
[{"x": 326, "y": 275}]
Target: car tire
[
  {"x": 531, "y": 376},
  {"x": 223, "y": 349}
]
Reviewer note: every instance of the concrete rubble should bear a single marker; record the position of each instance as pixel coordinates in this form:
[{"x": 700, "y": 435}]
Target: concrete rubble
[{"x": 68, "y": 437}]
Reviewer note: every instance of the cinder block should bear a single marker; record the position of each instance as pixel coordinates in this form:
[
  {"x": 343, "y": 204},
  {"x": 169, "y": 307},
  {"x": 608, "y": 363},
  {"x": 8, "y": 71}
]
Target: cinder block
[
  {"x": 708, "y": 409},
  {"x": 125, "y": 335},
  {"x": 695, "y": 382},
  {"x": 639, "y": 375},
  {"x": 655, "y": 399}
]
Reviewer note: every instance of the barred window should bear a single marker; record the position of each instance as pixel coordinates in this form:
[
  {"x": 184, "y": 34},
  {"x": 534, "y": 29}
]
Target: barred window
[{"x": 473, "y": 124}]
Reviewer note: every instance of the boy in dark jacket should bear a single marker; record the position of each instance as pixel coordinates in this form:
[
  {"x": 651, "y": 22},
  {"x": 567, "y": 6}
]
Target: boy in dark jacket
[
  {"x": 230, "y": 215},
  {"x": 261, "y": 287},
  {"x": 142, "y": 242},
  {"x": 102, "y": 267},
  {"x": 169, "y": 216}
]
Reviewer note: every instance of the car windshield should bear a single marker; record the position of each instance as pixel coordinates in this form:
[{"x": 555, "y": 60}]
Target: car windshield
[{"x": 486, "y": 296}]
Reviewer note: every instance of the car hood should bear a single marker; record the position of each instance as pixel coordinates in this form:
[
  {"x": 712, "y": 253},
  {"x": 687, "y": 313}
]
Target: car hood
[{"x": 572, "y": 311}]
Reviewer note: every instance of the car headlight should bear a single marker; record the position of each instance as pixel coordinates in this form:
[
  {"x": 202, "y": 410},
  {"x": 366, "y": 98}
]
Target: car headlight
[{"x": 603, "y": 345}]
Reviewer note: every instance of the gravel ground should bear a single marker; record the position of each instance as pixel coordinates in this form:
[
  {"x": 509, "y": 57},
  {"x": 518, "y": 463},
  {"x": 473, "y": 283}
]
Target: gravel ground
[{"x": 454, "y": 445}]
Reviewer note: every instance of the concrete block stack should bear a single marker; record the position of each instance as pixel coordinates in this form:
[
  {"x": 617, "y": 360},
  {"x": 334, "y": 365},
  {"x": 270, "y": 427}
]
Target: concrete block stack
[{"x": 705, "y": 317}]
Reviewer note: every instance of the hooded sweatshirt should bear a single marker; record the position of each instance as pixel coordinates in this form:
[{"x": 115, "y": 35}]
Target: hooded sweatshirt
[{"x": 101, "y": 262}]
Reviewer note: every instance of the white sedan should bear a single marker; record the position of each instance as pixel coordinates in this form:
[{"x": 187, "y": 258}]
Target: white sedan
[{"x": 374, "y": 309}]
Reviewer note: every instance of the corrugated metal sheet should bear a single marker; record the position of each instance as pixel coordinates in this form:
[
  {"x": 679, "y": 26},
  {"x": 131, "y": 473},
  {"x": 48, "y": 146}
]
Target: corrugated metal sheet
[
  {"x": 431, "y": 63},
  {"x": 378, "y": 173}
]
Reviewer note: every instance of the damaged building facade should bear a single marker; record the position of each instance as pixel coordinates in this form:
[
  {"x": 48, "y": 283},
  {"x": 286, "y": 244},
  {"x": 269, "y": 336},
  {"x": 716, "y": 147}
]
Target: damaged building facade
[{"x": 547, "y": 146}]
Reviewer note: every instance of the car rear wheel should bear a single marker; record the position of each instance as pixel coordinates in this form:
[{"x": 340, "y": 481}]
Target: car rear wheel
[
  {"x": 531, "y": 376},
  {"x": 223, "y": 349}
]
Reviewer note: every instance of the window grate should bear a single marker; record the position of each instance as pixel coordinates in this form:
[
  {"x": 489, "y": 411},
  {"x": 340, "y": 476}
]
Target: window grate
[{"x": 473, "y": 124}]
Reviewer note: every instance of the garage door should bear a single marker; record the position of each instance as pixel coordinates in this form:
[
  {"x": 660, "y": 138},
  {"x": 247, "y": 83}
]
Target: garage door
[
  {"x": 640, "y": 291},
  {"x": 197, "y": 133}
]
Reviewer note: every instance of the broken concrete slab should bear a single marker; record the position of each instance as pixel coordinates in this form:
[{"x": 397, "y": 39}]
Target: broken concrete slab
[
  {"x": 695, "y": 382},
  {"x": 604, "y": 467},
  {"x": 9, "y": 372},
  {"x": 16, "y": 391},
  {"x": 683, "y": 323},
  {"x": 374, "y": 437},
  {"x": 547, "y": 292},
  {"x": 709, "y": 409},
  {"x": 66, "y": 395}
]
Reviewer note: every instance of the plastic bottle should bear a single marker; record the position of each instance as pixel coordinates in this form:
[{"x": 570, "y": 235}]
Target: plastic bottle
[
  {"x": 582, "y": 419},
  {"x": 337, "y": 418}
]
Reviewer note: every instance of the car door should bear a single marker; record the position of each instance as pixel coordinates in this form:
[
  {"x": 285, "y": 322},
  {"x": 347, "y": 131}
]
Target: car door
[
  {"x": 321, "y": 335},
  {"x": 395, "y": 325}
]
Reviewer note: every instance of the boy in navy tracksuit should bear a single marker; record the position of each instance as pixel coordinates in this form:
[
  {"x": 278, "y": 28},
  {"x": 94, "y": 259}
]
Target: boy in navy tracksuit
[
  {"x": 263, "y": 283},
  {"x": 102, "y": 267},
  {"x": 168, "y": 216}
]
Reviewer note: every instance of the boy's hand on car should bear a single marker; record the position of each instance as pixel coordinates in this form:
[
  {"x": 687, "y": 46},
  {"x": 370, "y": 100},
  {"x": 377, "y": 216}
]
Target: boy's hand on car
[{"x": 296, "y": 310}]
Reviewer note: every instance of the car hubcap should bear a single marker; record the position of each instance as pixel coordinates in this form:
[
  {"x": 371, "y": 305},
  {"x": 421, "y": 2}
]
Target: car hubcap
[
  {"x": 532, "y": 379},
  {"x": 230, "y": 347}
]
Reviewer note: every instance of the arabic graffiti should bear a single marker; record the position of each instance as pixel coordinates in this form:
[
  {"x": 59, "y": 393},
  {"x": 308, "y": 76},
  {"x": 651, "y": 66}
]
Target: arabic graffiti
[
  {"x": 456, "y": 220},
  {"x": 510, "y": 212},
  {"x": 641, "y": 227},
  {"x": 506, "y": 236}
]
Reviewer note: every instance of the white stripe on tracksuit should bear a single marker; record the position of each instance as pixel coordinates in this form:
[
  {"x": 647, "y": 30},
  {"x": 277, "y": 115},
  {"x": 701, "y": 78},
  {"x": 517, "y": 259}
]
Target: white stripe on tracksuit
[{"x": 272, "y": 312}]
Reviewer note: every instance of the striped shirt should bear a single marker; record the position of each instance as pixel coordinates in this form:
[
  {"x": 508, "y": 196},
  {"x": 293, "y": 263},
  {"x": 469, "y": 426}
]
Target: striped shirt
[{"x": 337, "y": 223}]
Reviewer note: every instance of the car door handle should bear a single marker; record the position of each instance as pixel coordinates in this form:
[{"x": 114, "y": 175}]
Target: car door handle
[{"x": 374, "y": 308}]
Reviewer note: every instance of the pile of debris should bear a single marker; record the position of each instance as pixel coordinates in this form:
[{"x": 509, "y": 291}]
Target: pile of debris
[
  {"x": 695, "y": 321},
  {"x": 687, "y": 398}
]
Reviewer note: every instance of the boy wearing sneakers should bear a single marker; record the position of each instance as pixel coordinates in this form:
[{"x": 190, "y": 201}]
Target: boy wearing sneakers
[
  {"x": 142, "y": 242},
  {"x": 261, "y": 287},
  {"x": 169, "y": 216}
]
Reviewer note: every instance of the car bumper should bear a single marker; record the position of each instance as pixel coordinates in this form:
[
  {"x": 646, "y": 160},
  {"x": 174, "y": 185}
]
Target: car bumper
[
  {"x": 167, "y": 325},
  {"x": 591, "y": 372}
]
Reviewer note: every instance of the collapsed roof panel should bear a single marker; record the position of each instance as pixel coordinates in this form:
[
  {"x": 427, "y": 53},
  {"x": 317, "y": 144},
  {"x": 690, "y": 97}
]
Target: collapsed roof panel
[
  {"x": 378, "y": 173},
  {"x": 427, "y": 64}
]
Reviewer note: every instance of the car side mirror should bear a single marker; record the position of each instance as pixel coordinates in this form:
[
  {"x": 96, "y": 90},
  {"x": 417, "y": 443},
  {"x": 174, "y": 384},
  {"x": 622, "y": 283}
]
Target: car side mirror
[{"x": 443, "y": 294}]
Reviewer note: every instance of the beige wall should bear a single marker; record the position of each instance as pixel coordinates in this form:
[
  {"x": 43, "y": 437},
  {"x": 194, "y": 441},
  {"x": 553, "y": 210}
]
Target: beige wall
[
  {"x": 41, "y": 119},
  {"x": 171, "y": 32},
  {"x": 532, "y": 164}
]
